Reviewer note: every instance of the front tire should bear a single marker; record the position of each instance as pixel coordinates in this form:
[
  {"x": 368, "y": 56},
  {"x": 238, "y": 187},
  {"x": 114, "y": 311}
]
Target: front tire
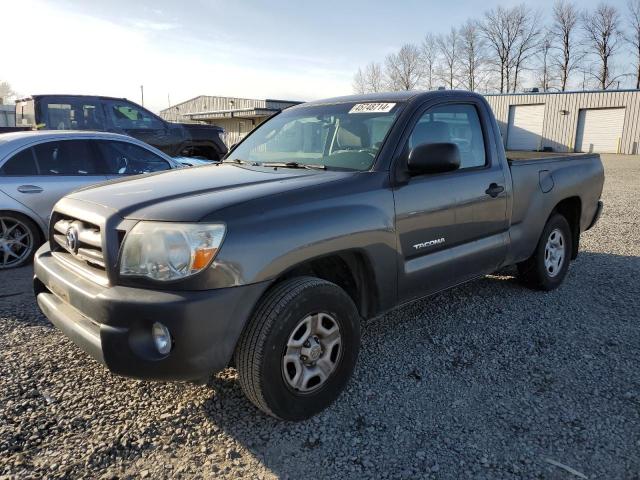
[
  {"x": 547, "y": 267},
  {"x": 299, "y": 349}
]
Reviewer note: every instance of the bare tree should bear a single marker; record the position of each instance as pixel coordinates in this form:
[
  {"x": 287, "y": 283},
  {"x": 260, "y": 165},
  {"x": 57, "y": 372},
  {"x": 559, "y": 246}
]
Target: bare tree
[
  {"x": 501, "y": 35},
  {"x": 545, "y": 74},
  {"x": 602, "y": 29},
  {"x": 6, "y": 92},
  {"x": 526, "y": 23},
  {"x": 634, "y": 35},
  {"x": 449, "y": 46},
  {"x": 368, "y": 80},
  {"x": 403, "y": 70},
  {"x": 430, "y": 57},
  {"x": 472, "y": 49},
  {"x": 374, "y": 76},
  {"x": 565, "y": 22},
  {"x": 359, "y": 83}
]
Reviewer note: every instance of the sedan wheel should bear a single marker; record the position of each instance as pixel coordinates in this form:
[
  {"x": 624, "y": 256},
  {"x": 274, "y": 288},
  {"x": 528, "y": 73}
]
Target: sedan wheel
[{"x": 17, "y": 241}]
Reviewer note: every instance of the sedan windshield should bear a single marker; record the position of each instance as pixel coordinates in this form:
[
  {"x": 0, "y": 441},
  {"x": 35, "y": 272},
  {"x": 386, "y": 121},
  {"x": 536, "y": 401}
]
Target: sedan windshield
[{"x": 341, "y": 136}]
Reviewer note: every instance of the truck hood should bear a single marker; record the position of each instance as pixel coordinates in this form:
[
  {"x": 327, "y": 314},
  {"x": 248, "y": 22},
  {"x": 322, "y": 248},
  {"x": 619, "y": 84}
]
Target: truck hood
[{"x": 189, "y": 194}]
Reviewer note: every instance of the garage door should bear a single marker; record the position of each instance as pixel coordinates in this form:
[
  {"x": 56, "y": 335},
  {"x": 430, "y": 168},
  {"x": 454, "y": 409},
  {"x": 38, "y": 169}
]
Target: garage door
[
  {"x": 525, "y": 127},
  {"x": 599, "y": 130}
]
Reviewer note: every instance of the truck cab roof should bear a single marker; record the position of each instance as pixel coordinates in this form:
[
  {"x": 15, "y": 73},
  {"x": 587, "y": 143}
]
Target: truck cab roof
[
  {"x": 67, "y": 95},
  {"x": 403, "y": 96}
]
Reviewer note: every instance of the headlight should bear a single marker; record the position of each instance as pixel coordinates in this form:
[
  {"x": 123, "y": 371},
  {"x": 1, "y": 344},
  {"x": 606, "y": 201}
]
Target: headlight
[{"x": 169, "y": 251}]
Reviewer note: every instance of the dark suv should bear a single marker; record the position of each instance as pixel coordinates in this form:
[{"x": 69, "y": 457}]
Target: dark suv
[{"x": 119, "y": 115}]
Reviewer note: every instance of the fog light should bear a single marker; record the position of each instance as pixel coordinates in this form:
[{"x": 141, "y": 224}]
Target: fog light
[{"x": 161, "y": 338}]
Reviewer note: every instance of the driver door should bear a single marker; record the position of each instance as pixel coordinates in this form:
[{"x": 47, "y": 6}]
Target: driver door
[
  {"x": 139, "y": 123},
  {"x": 450, "y": 228}
]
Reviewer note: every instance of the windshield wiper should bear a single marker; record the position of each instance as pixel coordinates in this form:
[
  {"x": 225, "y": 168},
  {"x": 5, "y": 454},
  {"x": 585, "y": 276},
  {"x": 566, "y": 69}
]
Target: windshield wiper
[
  {"x": 309, "y": 166},
  {"x": 239, "y": 161}
]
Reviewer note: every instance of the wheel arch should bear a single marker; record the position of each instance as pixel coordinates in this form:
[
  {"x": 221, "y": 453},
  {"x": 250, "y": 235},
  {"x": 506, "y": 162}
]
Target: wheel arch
[
  {"x": 351, "y": 270},
  {"x": 571, "y": 209},
  {"x": 32, "y": 218}
]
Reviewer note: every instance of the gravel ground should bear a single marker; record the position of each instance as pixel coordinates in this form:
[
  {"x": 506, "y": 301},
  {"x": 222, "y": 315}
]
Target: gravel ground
[{"x": 488, "y": 380}]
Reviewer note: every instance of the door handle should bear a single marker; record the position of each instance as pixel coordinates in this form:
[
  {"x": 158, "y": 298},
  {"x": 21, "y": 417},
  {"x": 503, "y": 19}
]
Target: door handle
[
  {"x": 29, "y": 189},
  {"x": 494, "y": 190}
]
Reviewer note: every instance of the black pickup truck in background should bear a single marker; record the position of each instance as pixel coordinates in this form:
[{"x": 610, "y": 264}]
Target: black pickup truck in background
[
  {"x": 327, "y": 214},
  {"x": 118, "y": 115}
]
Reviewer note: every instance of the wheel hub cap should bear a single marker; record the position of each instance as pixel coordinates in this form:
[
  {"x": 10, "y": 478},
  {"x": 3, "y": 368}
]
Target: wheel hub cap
[
  {"x": 554, "y": 253},
  {"x": 312, "y": 352}
]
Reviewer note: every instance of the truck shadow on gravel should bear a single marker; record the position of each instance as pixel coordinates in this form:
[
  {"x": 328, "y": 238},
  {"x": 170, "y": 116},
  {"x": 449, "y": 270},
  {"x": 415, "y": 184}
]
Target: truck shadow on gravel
[{"x": 489, "y": 379}]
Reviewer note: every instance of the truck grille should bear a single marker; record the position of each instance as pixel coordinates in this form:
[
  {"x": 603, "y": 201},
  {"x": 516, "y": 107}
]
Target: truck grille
[{"x": 80, "y": 239}]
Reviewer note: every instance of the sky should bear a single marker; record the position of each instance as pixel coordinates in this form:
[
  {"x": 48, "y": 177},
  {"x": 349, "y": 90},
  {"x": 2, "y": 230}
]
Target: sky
[{"x": 179, "y": 49}]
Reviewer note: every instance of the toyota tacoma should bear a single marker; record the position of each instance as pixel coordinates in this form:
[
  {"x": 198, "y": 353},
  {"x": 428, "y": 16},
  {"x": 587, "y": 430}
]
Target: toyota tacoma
[{"x": 329, "y": 213}]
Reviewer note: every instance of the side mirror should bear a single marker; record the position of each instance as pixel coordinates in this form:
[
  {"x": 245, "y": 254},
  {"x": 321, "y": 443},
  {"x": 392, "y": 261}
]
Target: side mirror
[{"x": 433, "y": 158}]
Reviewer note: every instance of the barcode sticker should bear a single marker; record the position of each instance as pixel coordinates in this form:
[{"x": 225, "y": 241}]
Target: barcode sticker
[{"x": 372, "y": 107}]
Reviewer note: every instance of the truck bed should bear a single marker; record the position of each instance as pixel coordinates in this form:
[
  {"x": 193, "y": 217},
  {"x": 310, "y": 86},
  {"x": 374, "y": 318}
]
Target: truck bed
[
  {"x": 514, "y": 155},
  {"x": 540, "y": 181}
]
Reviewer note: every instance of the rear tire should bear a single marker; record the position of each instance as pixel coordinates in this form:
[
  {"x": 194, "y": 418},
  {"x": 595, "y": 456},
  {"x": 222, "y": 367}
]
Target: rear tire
[
  {"x": 299, "y": 349},
  {"x": 20, "y": 237},
  {"x": 547, "y": 267}
]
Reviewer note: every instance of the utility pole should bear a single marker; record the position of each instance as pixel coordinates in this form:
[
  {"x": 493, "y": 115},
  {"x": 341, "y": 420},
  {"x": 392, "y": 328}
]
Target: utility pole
[
  {"x": 168, "y": 100},
  {"x": 142, "y": 94}
]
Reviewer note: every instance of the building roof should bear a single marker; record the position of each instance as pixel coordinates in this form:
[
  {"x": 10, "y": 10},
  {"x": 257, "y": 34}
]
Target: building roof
[
  {"x": 627, "y": 90},
  {"x": 250, "y": 107}
]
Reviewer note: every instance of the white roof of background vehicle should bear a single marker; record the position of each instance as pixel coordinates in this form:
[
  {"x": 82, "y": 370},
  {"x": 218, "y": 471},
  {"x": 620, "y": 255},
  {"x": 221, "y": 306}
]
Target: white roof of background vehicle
[{"x": 12, "y": 141}]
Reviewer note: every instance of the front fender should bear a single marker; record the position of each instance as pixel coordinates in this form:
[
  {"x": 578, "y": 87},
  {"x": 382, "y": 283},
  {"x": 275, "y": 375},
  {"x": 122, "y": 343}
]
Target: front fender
[
  {"x": 10, "y": 204},
  {"x": 292, "y": 229}
]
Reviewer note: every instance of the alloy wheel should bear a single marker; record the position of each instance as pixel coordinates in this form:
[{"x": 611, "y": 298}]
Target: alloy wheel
[{"x": 16, "y": 242}]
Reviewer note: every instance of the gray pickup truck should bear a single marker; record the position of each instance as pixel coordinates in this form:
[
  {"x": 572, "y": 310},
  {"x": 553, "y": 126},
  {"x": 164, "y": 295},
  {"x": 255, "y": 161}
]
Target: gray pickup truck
[{"x": 329, "y": 213}]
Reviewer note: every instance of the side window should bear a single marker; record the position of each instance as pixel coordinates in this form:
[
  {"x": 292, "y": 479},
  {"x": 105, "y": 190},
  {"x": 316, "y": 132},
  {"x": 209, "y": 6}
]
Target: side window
[
  {"x": 74, "y": 116},
  {"x": 457, "y": 124},
  {"x": 131, "y": 117},
  {"x": 67, "y": 157},
  {"x": 22, "y": 163},
  {"x": 122, "y": 158}
]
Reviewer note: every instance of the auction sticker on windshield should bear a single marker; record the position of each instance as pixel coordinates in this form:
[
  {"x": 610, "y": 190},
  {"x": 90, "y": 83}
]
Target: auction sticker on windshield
[{"x": 372, "y": 107}]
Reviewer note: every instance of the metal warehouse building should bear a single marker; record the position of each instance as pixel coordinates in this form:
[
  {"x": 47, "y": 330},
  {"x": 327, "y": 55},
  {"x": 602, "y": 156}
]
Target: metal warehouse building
[
  {"x": 238, "y": 116},
  {"x": 597, "y": 121},
  {"x": 7, "y": 115}
]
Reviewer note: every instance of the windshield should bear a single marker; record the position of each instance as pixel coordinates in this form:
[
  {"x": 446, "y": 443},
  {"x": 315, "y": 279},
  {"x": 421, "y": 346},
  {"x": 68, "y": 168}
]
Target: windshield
[{"x": 343, "y": 136}]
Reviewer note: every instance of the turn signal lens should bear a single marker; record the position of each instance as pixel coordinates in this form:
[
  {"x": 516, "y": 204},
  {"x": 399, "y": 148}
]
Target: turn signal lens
[{"x": 203, "y": 257}]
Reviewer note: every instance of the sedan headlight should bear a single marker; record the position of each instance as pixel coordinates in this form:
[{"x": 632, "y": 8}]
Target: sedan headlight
[{"x": 169, "y": 251}]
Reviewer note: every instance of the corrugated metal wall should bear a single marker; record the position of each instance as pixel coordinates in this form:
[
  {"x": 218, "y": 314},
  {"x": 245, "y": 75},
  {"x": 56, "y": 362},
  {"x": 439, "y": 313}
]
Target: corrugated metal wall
[
  {"x": 7, "y": 115},
  {"x": 562, "y": 112},
  {"x": 206, "y": 103},
  {"x": 235, "y": 129}
]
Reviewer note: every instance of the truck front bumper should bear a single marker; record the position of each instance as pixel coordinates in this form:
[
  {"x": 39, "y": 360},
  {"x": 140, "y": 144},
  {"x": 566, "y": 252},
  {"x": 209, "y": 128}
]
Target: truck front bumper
[{"x": 113, "y": 323}]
